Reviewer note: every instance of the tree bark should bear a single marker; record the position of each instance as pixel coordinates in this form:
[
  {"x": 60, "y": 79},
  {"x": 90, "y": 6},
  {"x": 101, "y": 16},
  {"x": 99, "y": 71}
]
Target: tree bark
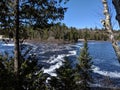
[
  {"x": 108, "y": 26},
  {"x": 16, "y": 43},
  {"x": 116, "y": 4},
  {"x": 16, "y": 38}
]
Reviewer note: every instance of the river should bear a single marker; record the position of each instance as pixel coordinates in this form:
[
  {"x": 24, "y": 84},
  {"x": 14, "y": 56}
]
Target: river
[{"x": 106, "y": 67}]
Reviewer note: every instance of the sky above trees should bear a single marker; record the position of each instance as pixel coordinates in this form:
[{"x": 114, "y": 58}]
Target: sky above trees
[{"x": 86, "y": 13}]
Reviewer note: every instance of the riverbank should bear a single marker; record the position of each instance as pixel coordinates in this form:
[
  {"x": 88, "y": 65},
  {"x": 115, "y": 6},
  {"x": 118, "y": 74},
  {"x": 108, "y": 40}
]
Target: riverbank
[{"x": 55, "y": 41}]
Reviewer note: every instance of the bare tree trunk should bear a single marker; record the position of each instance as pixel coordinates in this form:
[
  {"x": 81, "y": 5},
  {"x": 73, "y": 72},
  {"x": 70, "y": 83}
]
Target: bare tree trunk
[
  {"x": 16, "y": 42},
  {"x": 116, "y": 4},
  {"x": 16, "y": 38},
  {"x": 108, "y": 26}
]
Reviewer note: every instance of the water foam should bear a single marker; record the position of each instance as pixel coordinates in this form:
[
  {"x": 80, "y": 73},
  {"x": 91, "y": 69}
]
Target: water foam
[
  {"x": 91, "y": 43},
  {"x": 52, "y": 68},
  {"x": 11, "y": 44},
  {"x": 106, "y": 73},
  {"x": 26, "y": 43},
  {"x": 73, "y": 52},
  {"x": 58, "y": 61},
  {"x": 79, "y": 44}
]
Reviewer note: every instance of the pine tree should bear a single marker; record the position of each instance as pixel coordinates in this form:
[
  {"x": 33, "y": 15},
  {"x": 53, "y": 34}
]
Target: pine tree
[
  {"x": 31, "y": 75},
  {"x": 16, "y": 14},
  {"x": 84, "y": 66},
  {"x": 66, "y": 78}
]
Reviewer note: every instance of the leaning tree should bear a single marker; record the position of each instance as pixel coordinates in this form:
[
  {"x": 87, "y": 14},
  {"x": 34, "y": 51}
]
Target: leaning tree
[
  {"x": 108, "y": 24},
  {"x": 116, "y": 4}
]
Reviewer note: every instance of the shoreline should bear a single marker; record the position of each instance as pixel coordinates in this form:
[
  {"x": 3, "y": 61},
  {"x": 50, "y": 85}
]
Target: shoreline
[{"x": 59, "y": 42}]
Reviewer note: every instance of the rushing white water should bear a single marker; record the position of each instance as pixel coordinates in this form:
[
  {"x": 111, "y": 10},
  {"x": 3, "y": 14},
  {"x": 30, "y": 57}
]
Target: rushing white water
[
  {"x": 8, "y": 44},
  {"x": 104, "y": 59},
  {"x": 58, "y": 60},
  {"x": 114, "y": 74}
]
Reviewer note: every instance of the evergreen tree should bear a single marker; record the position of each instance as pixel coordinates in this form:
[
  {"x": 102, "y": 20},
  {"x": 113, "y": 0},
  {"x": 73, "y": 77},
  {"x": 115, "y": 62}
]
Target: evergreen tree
[
  {"x": 66, "y": 78},
  {"x": 31, "y": 76},
  {"x": 84, "y": 66},
  {"x": 37, "y": 13}
]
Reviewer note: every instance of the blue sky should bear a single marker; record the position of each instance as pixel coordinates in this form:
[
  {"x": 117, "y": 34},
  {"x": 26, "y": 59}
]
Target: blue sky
[{"x": 84, "y": 13}]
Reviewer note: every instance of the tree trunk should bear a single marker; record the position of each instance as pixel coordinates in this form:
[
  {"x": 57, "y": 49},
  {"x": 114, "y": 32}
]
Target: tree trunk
[
  {"x": 108, "y": 26},
  {"x": 16, "y": 42},
  {"x": 16, "y": 39},
  {"x": 116, "y": 4}
]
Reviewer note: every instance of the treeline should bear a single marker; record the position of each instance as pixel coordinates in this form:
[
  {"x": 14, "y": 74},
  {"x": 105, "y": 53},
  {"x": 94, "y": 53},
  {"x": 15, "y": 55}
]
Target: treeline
[{"x": 62, "y": 32}]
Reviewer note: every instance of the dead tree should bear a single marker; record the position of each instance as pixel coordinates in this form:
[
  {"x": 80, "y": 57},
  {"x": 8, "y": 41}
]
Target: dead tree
[{"x": 108, "y": 26}]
